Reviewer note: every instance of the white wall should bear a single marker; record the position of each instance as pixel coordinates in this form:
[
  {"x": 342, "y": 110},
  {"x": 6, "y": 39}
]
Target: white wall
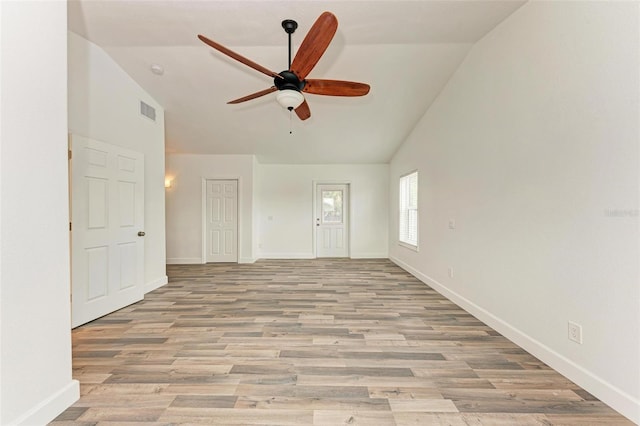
[
  {"x": 184, "y": 203},
  {"x": 104, "y": 104},
  {"x": 285, "y": 215},
  {"x": 276, "y": 205},
  {"x": 35, "y": 326},
  {"x": 532, "y": 148}
]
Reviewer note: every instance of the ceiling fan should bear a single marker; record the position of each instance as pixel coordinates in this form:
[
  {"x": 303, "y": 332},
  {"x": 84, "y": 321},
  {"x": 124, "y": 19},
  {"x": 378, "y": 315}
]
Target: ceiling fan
[{"x": 290, "y": 83}]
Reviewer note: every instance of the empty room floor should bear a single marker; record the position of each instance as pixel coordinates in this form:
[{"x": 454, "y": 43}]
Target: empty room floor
[{"x": 311, "y": 342}]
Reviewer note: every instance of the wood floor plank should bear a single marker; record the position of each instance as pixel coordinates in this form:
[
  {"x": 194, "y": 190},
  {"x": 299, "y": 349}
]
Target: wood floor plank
[
  {"x": 311, "y": 342},
  {"x": 352, "y": 417},
  {"x": 237, "y": 416},
  {"x": 438, "y": 405}
]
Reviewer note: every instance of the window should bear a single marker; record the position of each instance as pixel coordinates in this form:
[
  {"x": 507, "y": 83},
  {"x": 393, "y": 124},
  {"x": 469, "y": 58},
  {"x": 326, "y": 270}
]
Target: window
[
  {"x": 332, "y": 207},
  {"x": 408, "y": 234}
]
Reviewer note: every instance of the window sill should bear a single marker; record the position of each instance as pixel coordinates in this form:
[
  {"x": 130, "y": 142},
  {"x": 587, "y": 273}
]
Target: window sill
[{"x": 408, "y": 246}]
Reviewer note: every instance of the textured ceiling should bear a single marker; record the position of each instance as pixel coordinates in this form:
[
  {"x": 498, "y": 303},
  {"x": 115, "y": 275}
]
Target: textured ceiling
[{"x": 406, "y": 51}]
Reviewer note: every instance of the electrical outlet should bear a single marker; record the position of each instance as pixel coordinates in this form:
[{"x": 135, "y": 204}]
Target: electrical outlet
[
  {"x": 452, "y": 224},
  {"x": 450, "y": 271},
  {"x": 575, "y": 332}
]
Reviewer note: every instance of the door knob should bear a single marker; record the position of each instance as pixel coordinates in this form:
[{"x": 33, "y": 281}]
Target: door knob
[{"x": 141, "y": 234}]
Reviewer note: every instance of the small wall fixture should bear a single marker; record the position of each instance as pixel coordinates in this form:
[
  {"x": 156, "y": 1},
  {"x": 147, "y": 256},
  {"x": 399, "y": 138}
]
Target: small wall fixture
[
  {"x": 289, "y": 98},
  {"x": 157, "y": 69},
  {"x": 167, "y": 182}
]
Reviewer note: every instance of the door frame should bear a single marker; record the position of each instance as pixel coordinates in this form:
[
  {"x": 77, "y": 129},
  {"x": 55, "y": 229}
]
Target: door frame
[
  {"x": 314, "y": 205},
  {"x": 203, "y": 231}
]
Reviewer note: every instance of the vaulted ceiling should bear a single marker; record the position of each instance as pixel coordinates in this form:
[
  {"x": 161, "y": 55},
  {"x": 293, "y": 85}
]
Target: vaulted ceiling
[{"x": 406, "y": 51}]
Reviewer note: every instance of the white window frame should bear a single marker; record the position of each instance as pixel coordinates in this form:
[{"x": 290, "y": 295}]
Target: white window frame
[{"x": 408, "y": 211}]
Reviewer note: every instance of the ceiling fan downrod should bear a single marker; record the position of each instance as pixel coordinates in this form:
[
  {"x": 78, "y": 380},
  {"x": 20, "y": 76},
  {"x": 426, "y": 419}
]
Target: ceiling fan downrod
[{"x": 289, "y": 26}]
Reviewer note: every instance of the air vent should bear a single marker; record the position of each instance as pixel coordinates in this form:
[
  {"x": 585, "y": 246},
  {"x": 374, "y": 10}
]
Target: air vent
[{"x": 147, "y": 110}]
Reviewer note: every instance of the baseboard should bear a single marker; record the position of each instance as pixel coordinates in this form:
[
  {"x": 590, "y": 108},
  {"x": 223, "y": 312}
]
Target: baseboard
[
  {"x": 369, "y": 255},
  {"x": 150, "y": 286},
  {"x": 51, "y": 407},
  {"x": 184, "y": 260},
  {"x": 198, "y": 260},
  {"x": 617, "y": 399},
  {"x": 287, "y": 256},
  {"x": 312, "y": 256}
]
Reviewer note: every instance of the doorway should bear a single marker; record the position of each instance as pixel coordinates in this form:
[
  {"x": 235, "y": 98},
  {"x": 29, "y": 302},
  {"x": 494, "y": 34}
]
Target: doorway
[
  {"x": 221, "y": 221},
  {"x": 332, "y": 220}
]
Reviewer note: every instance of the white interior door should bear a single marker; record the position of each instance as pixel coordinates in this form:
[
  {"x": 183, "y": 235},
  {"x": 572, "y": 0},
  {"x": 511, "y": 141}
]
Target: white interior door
[
  {"x": 332, "y": 220},
  {"x": 221, "y": 228},
  {"x": 107, "y": 215}
]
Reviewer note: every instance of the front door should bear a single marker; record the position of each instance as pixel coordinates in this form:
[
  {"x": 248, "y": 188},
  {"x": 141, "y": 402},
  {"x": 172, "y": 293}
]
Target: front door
[
  {"x": 107, "y": 228},
  {"x": 221, "y": 227},
  {"x": 332, "y": 220}
]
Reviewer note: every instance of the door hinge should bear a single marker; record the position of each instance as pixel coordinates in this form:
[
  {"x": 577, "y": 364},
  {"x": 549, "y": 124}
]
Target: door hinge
[
  {"x": 69, "y": 226},
  {"x": 70, "y": 155}
]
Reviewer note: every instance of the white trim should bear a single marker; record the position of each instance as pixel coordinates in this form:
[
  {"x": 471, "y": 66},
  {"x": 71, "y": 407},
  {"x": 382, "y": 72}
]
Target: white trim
[
  {"x": 365, "y": 255},
  {"x": 184, "y": 260},
  {"x": 616, "y": 398},
  {"x": 247, "y": 260},
  {"x": 157, "y": 283},
  {"x": 408, "y": 246},
  {"x": 287, "y": 256},
  {"x": 203, "y": 258},
  {"x": 50, "y": 408}
]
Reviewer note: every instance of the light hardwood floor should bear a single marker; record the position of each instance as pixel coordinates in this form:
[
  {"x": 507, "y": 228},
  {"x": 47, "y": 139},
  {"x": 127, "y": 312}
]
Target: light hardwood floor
[{"x": 311, "y": 342}]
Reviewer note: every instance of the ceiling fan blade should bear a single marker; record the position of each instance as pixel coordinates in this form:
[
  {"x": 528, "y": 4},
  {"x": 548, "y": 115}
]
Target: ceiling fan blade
[
  {"x": 254, "y": 95},
  {"x": 238, "y": 57},
  {"x": 303, "y": 112},
  {"x": 314, "y": 44},
  {"x": 335, "y": 87}
]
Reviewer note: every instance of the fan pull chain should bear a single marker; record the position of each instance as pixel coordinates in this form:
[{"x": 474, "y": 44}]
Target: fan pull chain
[{"x": 290, "y": 131}]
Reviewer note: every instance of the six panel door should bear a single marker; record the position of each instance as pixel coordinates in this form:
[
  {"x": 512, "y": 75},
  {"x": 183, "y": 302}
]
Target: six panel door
[
  {"x": 107, "y": 215},
  {"x": 221, "y": 233}
]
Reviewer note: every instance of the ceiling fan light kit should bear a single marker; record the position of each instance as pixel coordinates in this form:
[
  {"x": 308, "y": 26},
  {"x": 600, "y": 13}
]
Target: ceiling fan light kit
[
  {"x": 292, "y": 82},
  {"x": 289, "y": 98}
]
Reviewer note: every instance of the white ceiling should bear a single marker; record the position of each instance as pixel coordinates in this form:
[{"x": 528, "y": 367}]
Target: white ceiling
[{"x": 406, "y": 51}]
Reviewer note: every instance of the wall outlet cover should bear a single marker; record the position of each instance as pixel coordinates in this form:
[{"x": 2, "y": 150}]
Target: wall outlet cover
[{"x": 575, "y": 332}]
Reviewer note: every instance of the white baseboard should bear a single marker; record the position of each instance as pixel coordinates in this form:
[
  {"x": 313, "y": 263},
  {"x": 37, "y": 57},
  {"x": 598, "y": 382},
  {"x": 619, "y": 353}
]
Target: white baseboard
[
  {"x": 184, "y": 260},
  {"x": 150, "y": 286},
  {"x": 369, "y": 255},
  {"x": 287, "y": 256},
  {"x": 617, "y": 399},
  {"x": 198, "y": 260},
  {"x": 312, "y": 256},
  {"x": 51, "y": 407}
]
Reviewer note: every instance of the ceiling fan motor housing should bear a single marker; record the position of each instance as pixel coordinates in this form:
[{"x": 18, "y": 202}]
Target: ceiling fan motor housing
[{"x": 288, "y": 81}]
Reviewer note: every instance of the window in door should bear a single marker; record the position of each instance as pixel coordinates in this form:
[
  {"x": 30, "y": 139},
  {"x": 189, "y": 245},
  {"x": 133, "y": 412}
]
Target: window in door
[
  {"x": 408, "y": 219},
  {"x": 331, "y": 206}
]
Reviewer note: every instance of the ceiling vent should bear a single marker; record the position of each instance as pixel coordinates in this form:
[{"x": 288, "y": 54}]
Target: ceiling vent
[{"x": 147, "y": 110}]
